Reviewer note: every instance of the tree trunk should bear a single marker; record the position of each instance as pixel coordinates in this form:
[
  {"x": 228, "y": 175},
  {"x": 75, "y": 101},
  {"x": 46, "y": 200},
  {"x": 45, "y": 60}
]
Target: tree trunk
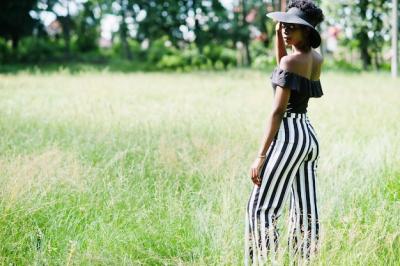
[
  {"x": 123, "y": 31},
  {"x": 199, "y": 40},
  {"x": 67, "y": 37},
  {"x": 263, "y": 25},
  {"x": 126, "y": 51},
  {"x": 14, "y": 42},
  {"x": 246, "y": 38},
  {"x": 247, "y": 54},
  {"x": 376, "y": 60},
  {"x": 362, "y": 36},
  {"x": 67, "y": 31},
  {"x": 364, "y": 43},
  {"x": 395, "y": 37}
]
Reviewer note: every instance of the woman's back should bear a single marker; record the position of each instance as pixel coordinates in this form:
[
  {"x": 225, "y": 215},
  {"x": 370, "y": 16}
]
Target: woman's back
[
  {"x": 307, "y": 65},
  {"x": 300, "y": 73}
]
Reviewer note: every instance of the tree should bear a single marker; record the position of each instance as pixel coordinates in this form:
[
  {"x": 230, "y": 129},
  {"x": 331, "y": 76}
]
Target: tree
[
  {"x": 183, "y": 21},
  {"x": 365, "y": 19},
  {"x": 214, "y": 28},
  {"x": 240, "y": 30},
  {"x": 395, "y": 33},
  {"x": 124, "y": 13},
  {"x": 87, "y": 27},
  {"x": 66, "y": 19},
  {"x": 15, "y": 21}
]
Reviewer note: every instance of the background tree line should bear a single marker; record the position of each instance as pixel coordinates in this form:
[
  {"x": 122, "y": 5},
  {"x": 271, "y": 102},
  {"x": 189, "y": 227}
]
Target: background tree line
[{"x": 179, "y": 34}]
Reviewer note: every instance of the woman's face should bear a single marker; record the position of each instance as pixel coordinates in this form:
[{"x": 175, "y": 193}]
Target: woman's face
[{"x": 292, "y": 33}]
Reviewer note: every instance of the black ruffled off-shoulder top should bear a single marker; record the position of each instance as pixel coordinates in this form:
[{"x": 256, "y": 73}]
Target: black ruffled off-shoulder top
[{"x": 302, "y": 89}]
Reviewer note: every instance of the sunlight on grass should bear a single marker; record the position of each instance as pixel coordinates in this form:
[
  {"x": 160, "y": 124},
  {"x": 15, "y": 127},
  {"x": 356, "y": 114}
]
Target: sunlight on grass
[{"x": 152, "y": 168}]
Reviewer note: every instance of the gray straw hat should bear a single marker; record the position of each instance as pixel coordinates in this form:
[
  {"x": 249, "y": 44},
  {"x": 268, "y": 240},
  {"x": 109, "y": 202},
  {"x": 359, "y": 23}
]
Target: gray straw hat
[{"x": 297, "y": 16}]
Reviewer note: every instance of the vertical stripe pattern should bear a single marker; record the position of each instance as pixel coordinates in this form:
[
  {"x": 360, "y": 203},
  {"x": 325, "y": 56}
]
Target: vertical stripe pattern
[{"x": 290, "y": 168}]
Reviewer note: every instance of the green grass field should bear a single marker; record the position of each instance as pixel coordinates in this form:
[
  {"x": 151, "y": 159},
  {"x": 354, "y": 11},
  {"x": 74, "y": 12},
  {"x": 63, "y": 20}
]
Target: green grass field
[{"x": 103, "y": 168}]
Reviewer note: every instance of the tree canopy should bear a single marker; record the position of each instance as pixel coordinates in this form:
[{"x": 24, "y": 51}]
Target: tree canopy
[{"x": 208, "y": 28}]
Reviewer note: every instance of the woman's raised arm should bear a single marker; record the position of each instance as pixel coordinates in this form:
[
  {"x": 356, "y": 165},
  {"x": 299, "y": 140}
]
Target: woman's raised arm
[{"x": 280, "y": 49}]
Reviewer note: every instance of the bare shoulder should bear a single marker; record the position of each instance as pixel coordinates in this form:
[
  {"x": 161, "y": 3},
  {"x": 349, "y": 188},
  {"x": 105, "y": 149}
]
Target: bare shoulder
[
  {"x": 303, "y": 65},
  {"x": 289, "y": 62},
  {"x": 318, "y": 58}
]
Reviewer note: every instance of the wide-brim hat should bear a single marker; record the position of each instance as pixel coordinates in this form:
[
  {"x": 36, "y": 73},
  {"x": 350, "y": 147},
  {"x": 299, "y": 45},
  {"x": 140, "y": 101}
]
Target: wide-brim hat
[{"x": 297, "y": 16}]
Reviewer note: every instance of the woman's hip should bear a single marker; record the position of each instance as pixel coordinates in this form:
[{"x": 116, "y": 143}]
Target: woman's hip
[{"x": 295, "y": 128}]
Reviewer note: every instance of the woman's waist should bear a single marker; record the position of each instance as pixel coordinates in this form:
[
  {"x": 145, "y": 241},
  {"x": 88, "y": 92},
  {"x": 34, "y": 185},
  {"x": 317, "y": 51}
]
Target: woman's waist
[{"x": 289, "y": 114}]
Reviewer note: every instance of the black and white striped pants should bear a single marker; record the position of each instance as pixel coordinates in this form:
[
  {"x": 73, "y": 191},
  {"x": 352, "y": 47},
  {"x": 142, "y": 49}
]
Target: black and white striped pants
[{"x": 291, "y": 165}]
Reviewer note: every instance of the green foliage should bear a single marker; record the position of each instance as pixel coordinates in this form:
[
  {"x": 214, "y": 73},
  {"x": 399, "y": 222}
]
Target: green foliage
[
  {"x": 342, "y": 65},
  {"x": 368, "y": 21},
  {"x": 32, "y": 49},
  {"x": 158, "y": 49},
  {"x": 15, "y": 21},
  {"x": 263, "y": 62},
  {"x": 5, "y": 51},
  {"x": 88, "y": 29},
  {"x": 228, "y": 57},
  {"x": 165, "y": 56},
  {"x": 261, "y": 58},
  {"x": 182, "y": 35},
  {"x": 174, "y": 61},
  {"x": 87, "y": 41},
  {"x": 213, "y": 52},
  {"x": 134, "y": 46},
  {"x": 166, "y": 17},
  {"x": 193, "y": 57},
  {"x": 220, "y": 57}
]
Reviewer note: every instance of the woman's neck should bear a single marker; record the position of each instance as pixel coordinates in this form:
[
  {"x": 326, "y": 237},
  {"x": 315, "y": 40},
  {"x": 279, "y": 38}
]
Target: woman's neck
[{"x": 301, "y": 49}]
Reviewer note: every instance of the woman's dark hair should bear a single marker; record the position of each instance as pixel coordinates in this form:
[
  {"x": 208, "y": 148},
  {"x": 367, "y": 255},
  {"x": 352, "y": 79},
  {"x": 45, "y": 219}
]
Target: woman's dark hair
[{"x": 312, "y": 11}]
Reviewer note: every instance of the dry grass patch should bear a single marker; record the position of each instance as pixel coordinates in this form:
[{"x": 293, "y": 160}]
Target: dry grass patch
[{"x": 38, "y": 173}]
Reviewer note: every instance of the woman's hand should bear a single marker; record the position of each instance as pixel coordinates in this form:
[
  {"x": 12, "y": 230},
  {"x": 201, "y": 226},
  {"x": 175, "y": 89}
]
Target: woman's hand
[
  {"x": 255, "y": 168},
  {"x": 278, "y": 27}
]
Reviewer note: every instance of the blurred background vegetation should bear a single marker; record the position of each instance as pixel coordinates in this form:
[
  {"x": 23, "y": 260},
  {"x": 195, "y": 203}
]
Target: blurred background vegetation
[{"x": 128, "y": 35}]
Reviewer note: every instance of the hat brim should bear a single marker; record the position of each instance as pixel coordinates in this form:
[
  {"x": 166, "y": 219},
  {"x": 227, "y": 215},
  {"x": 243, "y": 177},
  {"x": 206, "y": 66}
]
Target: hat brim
[{"x": 291, "y": 18}]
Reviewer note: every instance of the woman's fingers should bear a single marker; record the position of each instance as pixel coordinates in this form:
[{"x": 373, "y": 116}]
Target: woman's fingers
[
  {"x": 278, "y": 26},
  {"x": 254, "y": 176},
  {"x": 254, "y": 173}
]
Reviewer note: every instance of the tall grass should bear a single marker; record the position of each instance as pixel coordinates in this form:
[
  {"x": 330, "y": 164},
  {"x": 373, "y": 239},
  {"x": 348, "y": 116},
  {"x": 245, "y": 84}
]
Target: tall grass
[{"x": 152, "y": 169}]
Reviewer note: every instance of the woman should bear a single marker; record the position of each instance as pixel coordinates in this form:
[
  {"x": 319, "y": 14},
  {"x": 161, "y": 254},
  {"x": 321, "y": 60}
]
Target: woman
[{"x": 287, "y": 159}]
